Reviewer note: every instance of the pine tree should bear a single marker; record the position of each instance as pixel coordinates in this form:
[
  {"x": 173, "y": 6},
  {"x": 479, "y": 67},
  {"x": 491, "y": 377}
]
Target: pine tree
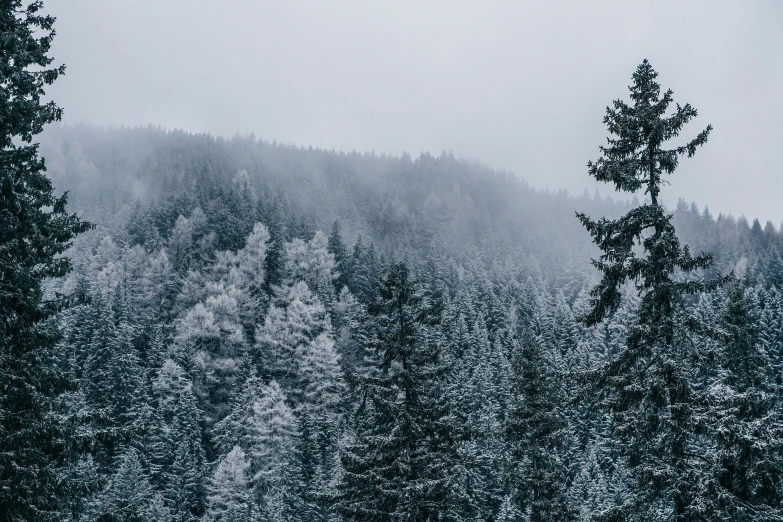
[
  {"x": 168, "y": 385},
  {"x": 313, "y": 263},
  {"x": 264, "y": 426},
  {"x": 275, "y": 435},
  {"x": 252, "y": 261},
  {"x": 181, "y": 244},
  {"x": 127, "y": 496},
  {"x": 341, "y": 259},
  {"x": 320, "y": 375},
  {"x": 228, "y": 494},
  {"x": 82, "y": 481},
  {"x": 212, "y": 332},
  {"x": 397, "y": 466},
  {"x": 184, "y": 489},
  {"x": 537, "y": 434},
  {"x": 296, "y": 332},
  {"x": 509, "y": 512},
  {"x": 365, "y": 265},
  {"x": 771, "y": 333},
  {"x": 159, "y": 285},
  {"x": 158, "y": 447},
  {"x": 114, "y": 376},
  {"x": 749, "y": 429},
  {"x": 35, "y": 229},
  {"x": 477, "y": 392},
  {"x": 157, "y": 511},
  {"x": 648, "y": 383}
]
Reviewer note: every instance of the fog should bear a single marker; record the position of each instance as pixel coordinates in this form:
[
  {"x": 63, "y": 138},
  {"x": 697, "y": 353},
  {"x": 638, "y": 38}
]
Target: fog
[{"x": 519, "y": 87}]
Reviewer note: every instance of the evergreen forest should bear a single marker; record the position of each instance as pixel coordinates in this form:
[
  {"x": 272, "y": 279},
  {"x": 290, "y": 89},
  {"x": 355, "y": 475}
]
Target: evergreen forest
[{"x": 239, "y": 330}]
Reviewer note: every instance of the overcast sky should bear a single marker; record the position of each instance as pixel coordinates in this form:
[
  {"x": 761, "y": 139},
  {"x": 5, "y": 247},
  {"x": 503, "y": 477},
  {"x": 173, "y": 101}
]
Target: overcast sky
[{"x": 520, "y": 86}]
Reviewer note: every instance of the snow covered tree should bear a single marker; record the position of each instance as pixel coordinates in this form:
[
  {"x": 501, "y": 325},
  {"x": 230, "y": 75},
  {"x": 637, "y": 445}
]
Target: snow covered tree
[
  {"x": 180, "y": 244},
  {"x": 159, "y": 285},
  {"x": 477, "y": 388},
  {"x": 275, "y": 434},
  {"x": 537, "y": 434},
  {"x": 157, "y": 510},
  {"x": 647, "y": 383},
  {"x": 748, "y": 427},
  {"x": 158, "y": 447},
  {"x": 212, "y": 334},
  {"x": 320, "y": 374},
  {"x": 168, "y": 385},
  {"x": 127, "y": 496},
  {"x": 35, "y": 229},
  {"x": 81, "y": 481},
  {"x": 296, "y": 347},
  {"x": 313, "y": 263},
  {"x": 228, "y": 494},
  {"x": 252, "y": 259},
  {"x": 113, "y": 377},
  {"x": 264, "y": 426},
  {"x": 341, "y": 258},
  {"x": 771, "y": 333},
  {"x": 398, "y": 464},
  {"x": 509, "y": 512},
  {"x": 185, "y": 481}
]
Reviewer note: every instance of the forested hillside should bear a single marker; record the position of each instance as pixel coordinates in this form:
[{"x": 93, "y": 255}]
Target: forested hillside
[
  {"x": 292, "y": 334},
  {"x": 200, "y": 329}
]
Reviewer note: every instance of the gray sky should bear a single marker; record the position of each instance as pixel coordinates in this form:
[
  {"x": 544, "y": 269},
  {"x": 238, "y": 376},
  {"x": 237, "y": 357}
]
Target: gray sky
[{"x": 520, "y": 86}]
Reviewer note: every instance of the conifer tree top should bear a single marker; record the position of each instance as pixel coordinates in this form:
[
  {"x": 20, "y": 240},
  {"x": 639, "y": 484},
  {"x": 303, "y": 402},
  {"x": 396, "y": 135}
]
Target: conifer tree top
[{"x": 635, "y": 158}]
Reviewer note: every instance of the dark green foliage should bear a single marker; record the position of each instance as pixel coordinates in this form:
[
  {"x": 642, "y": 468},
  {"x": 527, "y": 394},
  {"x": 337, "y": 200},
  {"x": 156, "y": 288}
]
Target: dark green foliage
[
  {"x": 113, "y": 377},
  {"x": 35, "y": 230},
  {"x": 341, "y": 257},
  {"x": 538, "y": 436},
  {"x": 127, "y": 495},
  {"x": 749, "y": 429},
  {"x": 636, "y": 159},
  {"x": 649, "y": 384},
  {"x": 185, "y": 481},
  {"x": 366, "y": 269},
  {"x": 397, "y": 463}
]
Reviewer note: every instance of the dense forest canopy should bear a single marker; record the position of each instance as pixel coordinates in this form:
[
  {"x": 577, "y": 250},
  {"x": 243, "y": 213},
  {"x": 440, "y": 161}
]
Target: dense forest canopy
[
  {"x": 245, "y": 285},
  {"x": 261, "y": 332}
]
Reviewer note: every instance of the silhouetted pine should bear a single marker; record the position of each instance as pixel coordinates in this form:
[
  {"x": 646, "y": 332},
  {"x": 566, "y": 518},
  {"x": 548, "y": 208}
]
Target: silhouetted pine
[{"x": 648, "y": 384}]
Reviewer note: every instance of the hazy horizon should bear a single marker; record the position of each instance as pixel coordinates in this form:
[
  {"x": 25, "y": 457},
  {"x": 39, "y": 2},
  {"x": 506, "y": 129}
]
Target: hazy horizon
[{"x": 494, "y": 84}]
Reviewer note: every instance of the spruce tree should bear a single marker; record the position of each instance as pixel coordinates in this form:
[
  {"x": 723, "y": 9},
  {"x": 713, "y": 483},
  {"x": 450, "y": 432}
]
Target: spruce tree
[
  {"x": 127, "y": 495},
  {"x": 398, "y": 463},
  {"x": 342, "y": 261},
  {"x": 748, "y": 427},
  {"x": 647, "y": 384},
  {"x": 185, "y": 481},
  {"x": 228, "y": 493},
  {"x": 537, "y": 434},
  {"x": 477, "y": 390},
  {"x": 35, "y": 229},
  {"x": 157, "y": 510}
]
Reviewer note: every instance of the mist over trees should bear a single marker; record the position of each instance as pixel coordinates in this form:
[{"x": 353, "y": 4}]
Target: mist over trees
[
  {"x": 242, "y": 328},
  {"x": 267, "y": 332}
]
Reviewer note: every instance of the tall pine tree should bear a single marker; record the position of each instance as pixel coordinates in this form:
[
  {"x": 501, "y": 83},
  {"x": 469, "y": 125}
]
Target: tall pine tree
[
  {"x": 34, "y": 230},
  {"x": 648, "y": 383}
]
